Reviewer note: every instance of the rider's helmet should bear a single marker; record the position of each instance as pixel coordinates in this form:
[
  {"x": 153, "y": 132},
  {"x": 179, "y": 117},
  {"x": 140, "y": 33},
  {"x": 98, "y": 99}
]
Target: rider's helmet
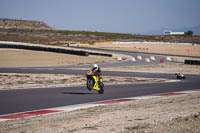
[{"x": 95, "y": 67}]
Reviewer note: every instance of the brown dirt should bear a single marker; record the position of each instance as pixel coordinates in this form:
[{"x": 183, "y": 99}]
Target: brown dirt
[
  {"x": 169, "y": 67},
  {"x": 19, "y": 81},
  {"x": 156, "y": 48},
  {"x": 26, "y": 58},
  {"x": 177, "y": 114}
]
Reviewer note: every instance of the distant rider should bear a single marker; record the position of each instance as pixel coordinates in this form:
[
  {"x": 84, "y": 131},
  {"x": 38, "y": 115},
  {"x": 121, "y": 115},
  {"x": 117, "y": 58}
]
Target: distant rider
[{"x": 180, "y": 76}]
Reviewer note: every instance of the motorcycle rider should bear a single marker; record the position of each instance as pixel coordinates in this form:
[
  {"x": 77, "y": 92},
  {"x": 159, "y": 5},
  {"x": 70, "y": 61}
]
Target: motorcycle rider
[
  {"x": 94, "y": 79},
  {"x": 96, "y": 71},
  {"x": 180, "y": 75}
]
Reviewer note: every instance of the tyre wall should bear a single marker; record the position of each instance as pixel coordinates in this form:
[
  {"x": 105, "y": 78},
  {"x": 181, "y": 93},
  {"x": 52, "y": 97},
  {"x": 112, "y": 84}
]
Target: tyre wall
[
  {"x": 192, "y": 62},
  {"x": 47, "y": 49},
  {"x": 100, "y": 54},
  {"x": 56, "y": 50}
]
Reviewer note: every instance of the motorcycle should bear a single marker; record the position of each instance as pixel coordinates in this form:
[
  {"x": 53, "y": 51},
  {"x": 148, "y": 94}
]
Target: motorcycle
[
  {"x": 180, "y": 76},
  {"x": 95, "y": 82}
]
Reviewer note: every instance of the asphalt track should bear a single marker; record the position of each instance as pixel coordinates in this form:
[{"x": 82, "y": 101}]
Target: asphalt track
[{"x": 21, "y": 100}]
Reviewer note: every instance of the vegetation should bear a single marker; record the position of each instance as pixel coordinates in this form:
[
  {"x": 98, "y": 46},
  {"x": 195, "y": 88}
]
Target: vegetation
[
  {"x": 39, "y": 32},
  {"x": 189, "y": 33},
  {"x": 23, "y": 24}
]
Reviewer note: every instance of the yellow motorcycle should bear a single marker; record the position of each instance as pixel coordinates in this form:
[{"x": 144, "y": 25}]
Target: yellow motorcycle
[{"x": 95, "y": 82}]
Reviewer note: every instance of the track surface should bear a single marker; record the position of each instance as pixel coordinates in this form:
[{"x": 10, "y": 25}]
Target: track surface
[{"x": 13, "y": 101}]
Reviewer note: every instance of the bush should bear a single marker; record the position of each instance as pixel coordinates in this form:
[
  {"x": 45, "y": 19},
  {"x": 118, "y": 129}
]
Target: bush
[{"x": 189, "y": 33}]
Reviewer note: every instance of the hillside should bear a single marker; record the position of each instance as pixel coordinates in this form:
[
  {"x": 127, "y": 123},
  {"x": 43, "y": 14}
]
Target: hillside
[
  {"x": 23, "y": 24},
  {"x": 40, "y": 32}
]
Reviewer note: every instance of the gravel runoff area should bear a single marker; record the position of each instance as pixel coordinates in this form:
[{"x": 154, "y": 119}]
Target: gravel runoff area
[
  {"x": 168, "y": 67},
  {"x": 171, "y": 114},
  {"x": 177, "y": 114},
  {"x": 10, "y": 81}
]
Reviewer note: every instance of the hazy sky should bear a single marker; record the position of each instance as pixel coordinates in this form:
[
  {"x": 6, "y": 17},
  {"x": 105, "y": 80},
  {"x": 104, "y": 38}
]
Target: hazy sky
[{"x": 123, "y": 16}]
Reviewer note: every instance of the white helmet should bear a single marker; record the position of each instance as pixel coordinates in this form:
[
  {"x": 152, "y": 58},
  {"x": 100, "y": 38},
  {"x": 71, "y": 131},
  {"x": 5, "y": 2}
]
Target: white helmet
[{"x": 95, "y": 67}]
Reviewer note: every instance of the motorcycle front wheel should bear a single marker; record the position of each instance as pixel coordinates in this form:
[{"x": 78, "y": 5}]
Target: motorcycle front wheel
[
  {"x": 101, "y": 86},
  {"x": 89, "y": 84}
]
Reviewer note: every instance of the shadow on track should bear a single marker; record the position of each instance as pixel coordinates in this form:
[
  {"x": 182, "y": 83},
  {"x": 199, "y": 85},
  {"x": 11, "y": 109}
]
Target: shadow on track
[{"x": 79, "y": 93}]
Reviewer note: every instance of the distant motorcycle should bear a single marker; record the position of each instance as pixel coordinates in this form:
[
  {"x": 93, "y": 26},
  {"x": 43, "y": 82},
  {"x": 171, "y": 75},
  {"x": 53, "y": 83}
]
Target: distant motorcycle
[
  {"x": 180, "y": 76},
  {"x": 95, "y": 82}
]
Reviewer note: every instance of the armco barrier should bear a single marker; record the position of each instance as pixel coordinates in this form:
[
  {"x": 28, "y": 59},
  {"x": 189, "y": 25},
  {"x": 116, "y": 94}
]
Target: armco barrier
[
  {"x": 38, "y": 48},
  {"x": 192, "y": 62}
]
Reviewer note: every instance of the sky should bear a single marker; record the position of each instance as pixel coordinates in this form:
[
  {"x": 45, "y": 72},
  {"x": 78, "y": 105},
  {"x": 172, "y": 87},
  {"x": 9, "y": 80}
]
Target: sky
[{"x": 118, "y": 16}]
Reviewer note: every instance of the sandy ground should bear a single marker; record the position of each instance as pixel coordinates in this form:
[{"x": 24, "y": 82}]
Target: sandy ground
[
  {"x": 156, "y": 48},
  {"x": 169, "y": 67},
  {"x": 174, "y": 114},
  {"x": 27, "y": 58},
  {"x": 10, "y": 81}
]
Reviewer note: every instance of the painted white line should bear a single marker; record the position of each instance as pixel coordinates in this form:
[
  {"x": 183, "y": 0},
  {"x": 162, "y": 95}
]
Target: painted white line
[
  {"x": 171, "y": 81},
  {"x": 144, "y": 97},
  {"x": 188, "y": 92},
  {"x": 4, "y": 120},
  {"x": 74, "y": 107}
]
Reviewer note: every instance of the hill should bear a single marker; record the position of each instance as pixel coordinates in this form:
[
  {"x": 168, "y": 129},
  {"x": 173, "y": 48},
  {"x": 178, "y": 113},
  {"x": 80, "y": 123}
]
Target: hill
[
  {"x": 40, "y": 32},
  {"x": 23, "y": 24}
]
